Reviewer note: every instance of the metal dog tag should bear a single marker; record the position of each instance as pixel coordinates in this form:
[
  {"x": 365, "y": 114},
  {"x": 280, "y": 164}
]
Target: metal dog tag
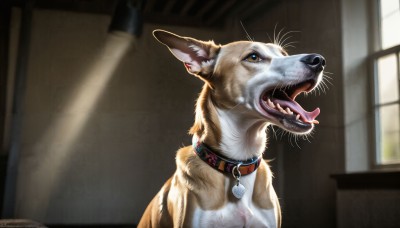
[{"x": 238, "y": 190}]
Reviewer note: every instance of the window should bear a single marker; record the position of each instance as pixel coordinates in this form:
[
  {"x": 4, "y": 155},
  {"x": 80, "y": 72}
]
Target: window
[
  {"x": 386, "y": 63},
  {"x": 389, "y": 23}
]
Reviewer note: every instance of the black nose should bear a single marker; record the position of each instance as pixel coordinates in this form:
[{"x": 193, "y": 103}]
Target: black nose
[{"x": 314, "y": 61}]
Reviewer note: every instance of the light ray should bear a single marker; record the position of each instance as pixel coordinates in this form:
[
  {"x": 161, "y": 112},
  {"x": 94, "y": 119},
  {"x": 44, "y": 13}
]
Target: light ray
[{"x": 59, "y": 140}]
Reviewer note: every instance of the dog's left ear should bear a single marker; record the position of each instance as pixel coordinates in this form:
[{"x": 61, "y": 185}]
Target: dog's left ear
[{"x": 197, "y": 56}]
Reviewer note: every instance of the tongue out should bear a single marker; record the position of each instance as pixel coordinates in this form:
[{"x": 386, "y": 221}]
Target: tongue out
[
  {"x": 294, "y": 106},
  {"x": 286, "y": 99}
]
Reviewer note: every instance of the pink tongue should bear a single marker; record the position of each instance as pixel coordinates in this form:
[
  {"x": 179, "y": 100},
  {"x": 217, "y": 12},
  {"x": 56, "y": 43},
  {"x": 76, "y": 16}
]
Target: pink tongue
[{"x": 294, "y": 106}]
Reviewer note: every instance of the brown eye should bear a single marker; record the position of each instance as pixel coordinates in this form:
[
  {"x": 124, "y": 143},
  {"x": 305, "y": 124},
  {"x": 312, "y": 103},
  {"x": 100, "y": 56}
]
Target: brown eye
[{"x": 253, "y": 58}]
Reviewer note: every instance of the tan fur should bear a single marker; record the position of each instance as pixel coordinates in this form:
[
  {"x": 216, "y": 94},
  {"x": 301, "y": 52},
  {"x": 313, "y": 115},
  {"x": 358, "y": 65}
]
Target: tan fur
[
  {"x": 206, "y": 123},
  {"x": 195, "y": 184},
  {"x": 264, "y": 194},
  {"x": 197, "y": 191}
]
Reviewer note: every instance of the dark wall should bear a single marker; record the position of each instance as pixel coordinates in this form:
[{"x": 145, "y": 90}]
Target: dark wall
[{"x": 102, "y": 119}]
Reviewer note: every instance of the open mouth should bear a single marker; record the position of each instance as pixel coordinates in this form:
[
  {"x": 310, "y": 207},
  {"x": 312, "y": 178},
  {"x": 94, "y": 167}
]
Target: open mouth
[{"x": 281, "y": 104}]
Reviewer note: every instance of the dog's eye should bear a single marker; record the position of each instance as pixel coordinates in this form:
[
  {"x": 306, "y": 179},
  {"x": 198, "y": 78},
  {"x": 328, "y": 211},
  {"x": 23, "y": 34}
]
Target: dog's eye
[{"x": 253, "y": 58}]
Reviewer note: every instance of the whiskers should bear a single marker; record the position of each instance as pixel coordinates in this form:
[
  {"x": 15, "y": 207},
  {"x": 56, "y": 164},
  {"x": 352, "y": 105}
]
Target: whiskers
[
  {"x": 247, "y": 34},
  {"x": 292, "y": 138},
  {"x": 324, "y": 84},
  {"x": 281, "y": 38},
  {"x": 236, "y": 108}
]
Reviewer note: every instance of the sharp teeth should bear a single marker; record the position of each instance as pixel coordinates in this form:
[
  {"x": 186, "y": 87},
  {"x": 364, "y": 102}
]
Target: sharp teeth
[
  {"x": 298, "y": 117},
  {"x": 289, "y": 111},
  {"x": 270, "y": 103},
  {"x": 315, "y": 122},
  {"x": 281, "y": 109}
]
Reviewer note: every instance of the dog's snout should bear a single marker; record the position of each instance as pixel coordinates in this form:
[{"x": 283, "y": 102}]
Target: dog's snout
[{"x": 315, "y": 61}]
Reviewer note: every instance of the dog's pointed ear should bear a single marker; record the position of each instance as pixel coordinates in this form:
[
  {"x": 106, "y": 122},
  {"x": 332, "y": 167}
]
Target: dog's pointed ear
[{"x": 198, "y": 56}]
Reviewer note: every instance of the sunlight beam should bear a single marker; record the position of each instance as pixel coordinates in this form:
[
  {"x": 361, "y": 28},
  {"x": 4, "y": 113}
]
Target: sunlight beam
[{"x": 56, "y": 144}]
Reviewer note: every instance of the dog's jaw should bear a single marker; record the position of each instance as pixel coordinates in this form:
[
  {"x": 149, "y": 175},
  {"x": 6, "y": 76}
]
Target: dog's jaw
[
  {"x": 272, "y": 91},
  {"x": 288, "y": 112}
]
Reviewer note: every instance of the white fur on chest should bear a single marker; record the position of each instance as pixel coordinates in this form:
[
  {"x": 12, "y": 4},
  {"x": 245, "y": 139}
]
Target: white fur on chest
[
  {"x": 235, "y": 215},
  {"x": 241, "y": 213},
  {"x": 242, "y": 138}
]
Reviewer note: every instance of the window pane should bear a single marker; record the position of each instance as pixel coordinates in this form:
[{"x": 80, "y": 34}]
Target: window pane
[
  {"x": 387, "y": 6},
  {"x": 390, "y": 19},
  {"x": 390, "y": 134},
  {"x": 388, "y": 83}
]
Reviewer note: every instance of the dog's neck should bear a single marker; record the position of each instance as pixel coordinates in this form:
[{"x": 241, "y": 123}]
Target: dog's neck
[
  {"x": 229, "y": 131},
  {"x": 241, "y": 138}
]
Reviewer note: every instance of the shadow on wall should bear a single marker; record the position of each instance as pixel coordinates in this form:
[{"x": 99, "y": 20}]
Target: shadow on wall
[{"x": 80, "y": 107}]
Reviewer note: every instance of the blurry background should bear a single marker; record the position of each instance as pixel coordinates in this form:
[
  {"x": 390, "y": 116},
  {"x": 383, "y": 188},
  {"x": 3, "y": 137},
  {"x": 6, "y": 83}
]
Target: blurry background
[{"x": 91, "y": 118}]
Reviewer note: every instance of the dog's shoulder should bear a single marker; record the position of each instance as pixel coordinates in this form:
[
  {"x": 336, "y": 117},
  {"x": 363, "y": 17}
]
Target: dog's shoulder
[
  {"x": 203, "y": 182},
  {"x": 264, "y": 194}
]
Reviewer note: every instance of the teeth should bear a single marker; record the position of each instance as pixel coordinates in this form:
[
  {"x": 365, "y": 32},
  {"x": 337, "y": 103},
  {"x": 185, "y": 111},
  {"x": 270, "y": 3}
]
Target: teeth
[
  {"x": 281, "y": 109},
  {"x": 270, "y": 103},
  {"x": 315, "y": 122},
  {"x": 287, "y": 110}
]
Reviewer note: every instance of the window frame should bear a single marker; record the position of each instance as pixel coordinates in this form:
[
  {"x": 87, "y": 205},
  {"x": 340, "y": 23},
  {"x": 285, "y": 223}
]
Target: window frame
[{"x": 378, "y": 52}]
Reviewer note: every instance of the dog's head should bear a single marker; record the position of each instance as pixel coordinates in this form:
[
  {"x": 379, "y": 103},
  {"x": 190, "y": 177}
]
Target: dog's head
[{"x": 260, "y": 78}]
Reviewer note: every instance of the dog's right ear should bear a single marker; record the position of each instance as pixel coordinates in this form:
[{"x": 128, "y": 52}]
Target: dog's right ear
[{"x": 197, "y": 56}]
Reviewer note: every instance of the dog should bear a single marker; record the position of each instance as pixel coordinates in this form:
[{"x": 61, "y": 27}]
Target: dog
[{"x": 221, "y": 180}]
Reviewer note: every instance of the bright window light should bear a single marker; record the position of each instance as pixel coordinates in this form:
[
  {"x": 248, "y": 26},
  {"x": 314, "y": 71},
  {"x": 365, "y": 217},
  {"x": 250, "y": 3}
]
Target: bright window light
[
  {"x": 388, "y": 110},
  {"x": 387, "y": 85},
  {"x": 390, "y": 23},
  {"x": 387, "y": 79}
]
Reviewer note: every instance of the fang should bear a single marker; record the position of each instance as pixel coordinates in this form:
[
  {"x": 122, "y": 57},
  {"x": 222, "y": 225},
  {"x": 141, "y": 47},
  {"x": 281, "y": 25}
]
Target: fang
[{"x": 270, "y": 103}]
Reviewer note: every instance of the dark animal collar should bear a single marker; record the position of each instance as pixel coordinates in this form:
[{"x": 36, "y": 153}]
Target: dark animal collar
[{"x": 224, "y": 164}]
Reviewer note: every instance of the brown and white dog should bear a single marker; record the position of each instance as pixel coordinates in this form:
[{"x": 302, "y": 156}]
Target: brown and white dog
[{"x": 222, "y": 180}]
